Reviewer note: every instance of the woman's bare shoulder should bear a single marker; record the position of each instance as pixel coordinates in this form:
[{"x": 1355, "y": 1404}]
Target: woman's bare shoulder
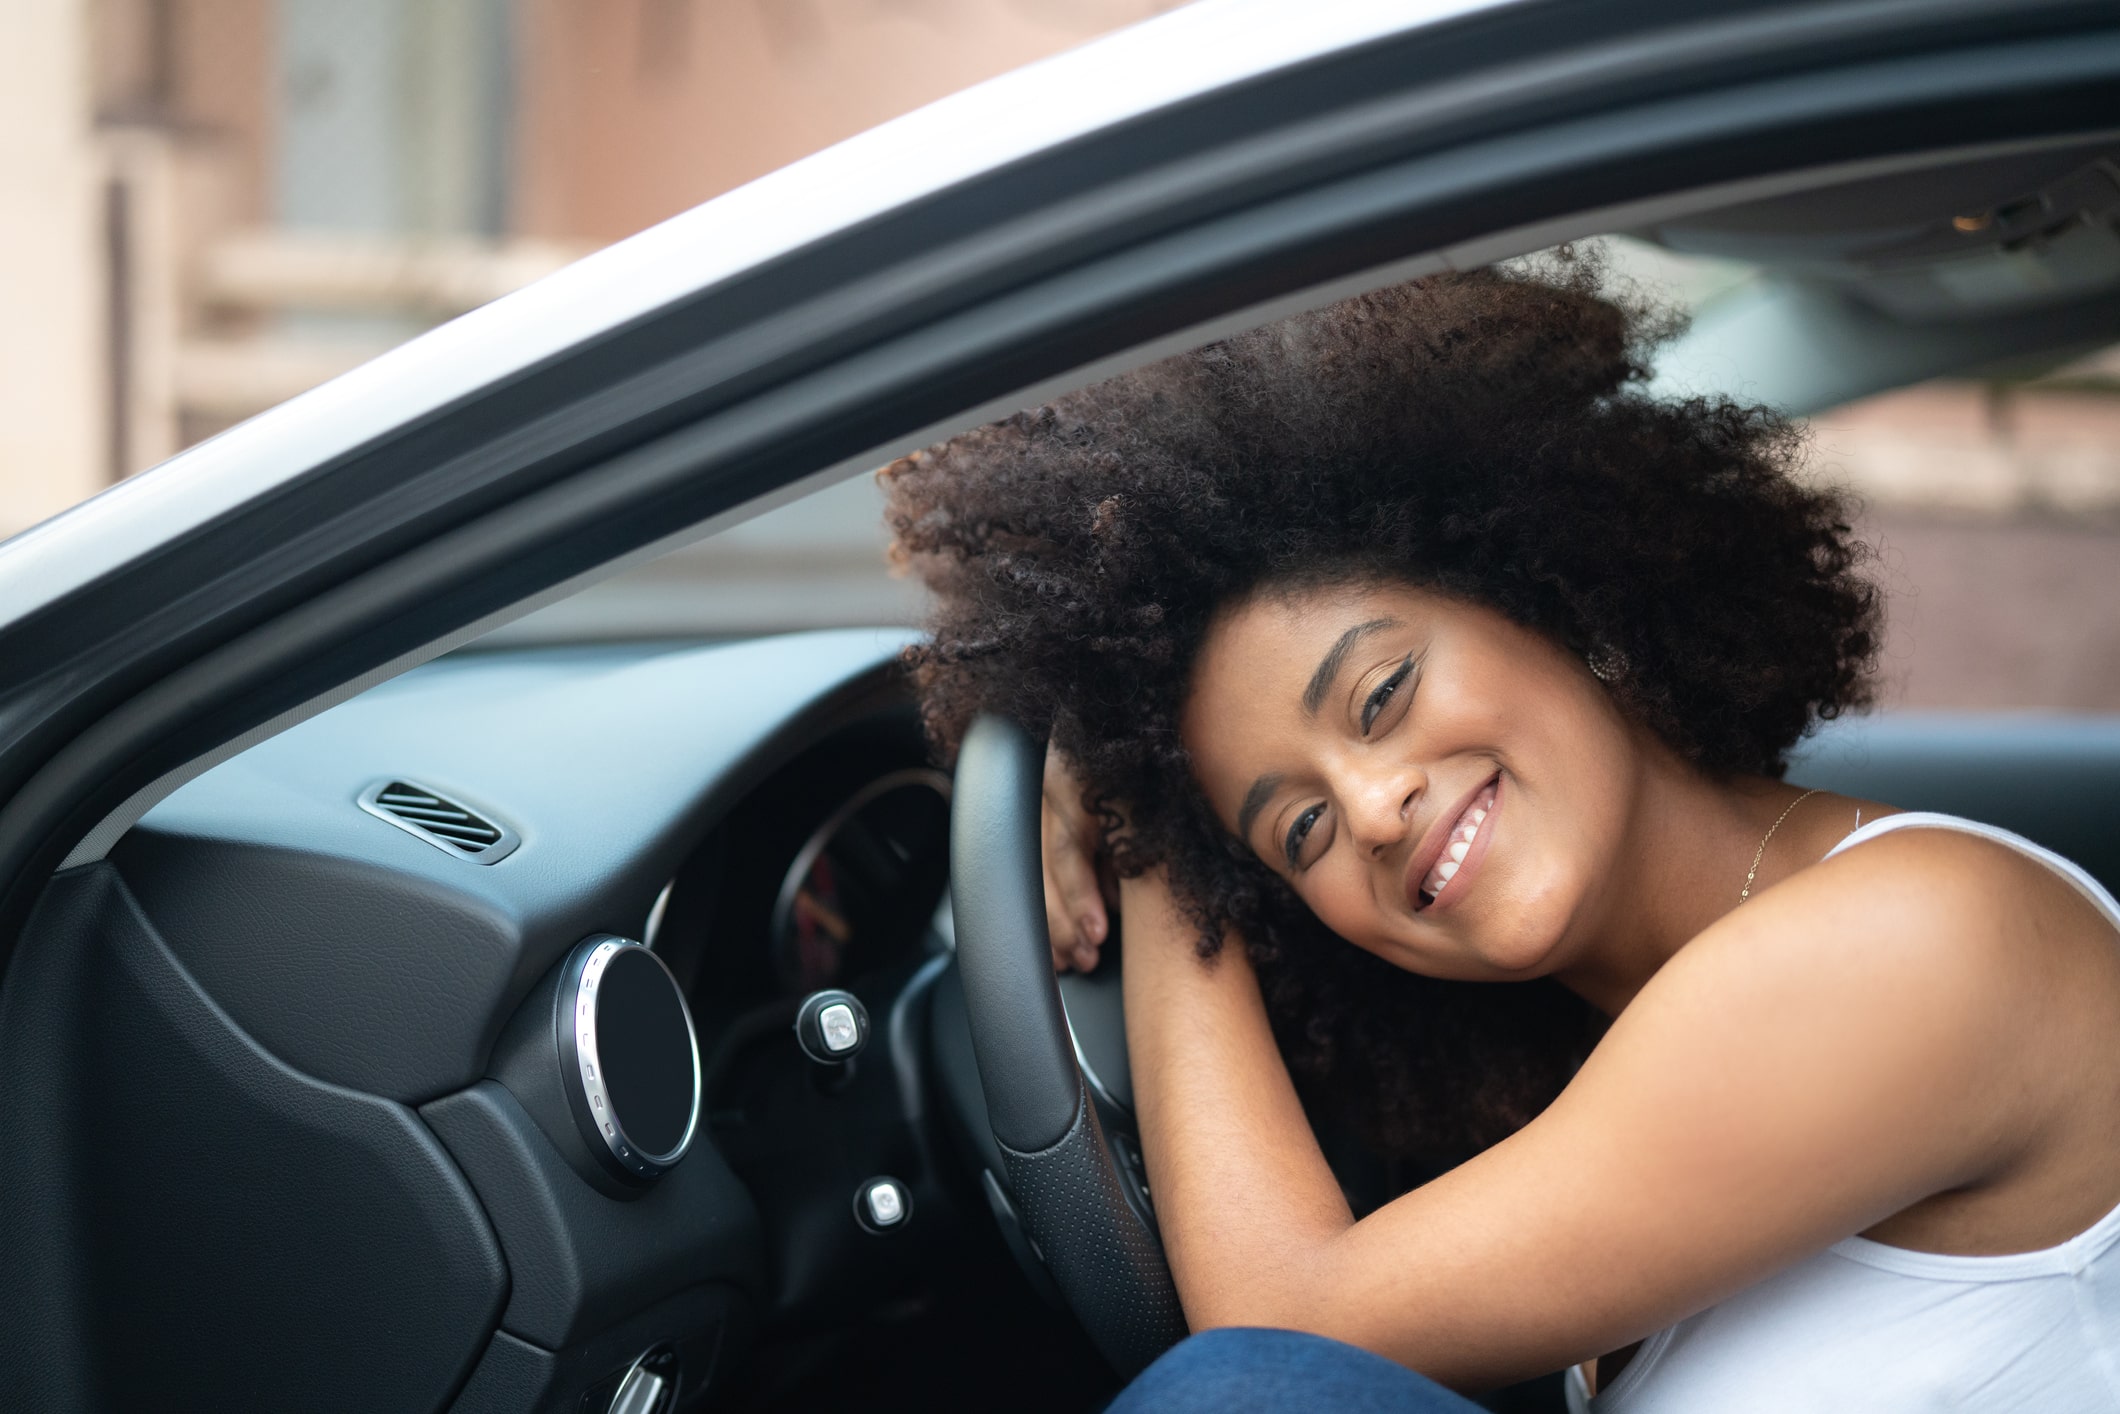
[
  {"x": 1936, "y": 914},
  {"x": 1913, "y": 982}
]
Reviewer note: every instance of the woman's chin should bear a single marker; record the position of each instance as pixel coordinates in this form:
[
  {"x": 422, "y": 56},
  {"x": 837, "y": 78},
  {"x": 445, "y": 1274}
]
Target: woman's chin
[
  {"x": 1522, "y": 954},
  {"x": 1480, "y": 960},
  {"x": 1518, "y": 955}
]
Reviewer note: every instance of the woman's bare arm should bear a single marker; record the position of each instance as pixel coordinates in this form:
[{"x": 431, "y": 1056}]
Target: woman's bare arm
[{"x": 1816, "y": 1062}]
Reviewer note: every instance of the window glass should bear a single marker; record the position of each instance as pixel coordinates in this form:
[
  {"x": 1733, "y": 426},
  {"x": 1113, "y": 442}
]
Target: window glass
[
  {"x": 1992, "y": 504},
  {"x": 817, "y": 562}
]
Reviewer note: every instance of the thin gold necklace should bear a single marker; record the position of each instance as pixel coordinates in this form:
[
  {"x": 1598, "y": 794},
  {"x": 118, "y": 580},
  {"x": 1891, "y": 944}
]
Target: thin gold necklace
[{"x": 1761, "y": 853}]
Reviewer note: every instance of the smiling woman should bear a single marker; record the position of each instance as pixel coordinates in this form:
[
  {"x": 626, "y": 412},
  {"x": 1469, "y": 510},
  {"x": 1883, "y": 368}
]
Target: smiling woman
[
  {"x": 1468, "y": 440},
  {"x": 1409, "y": 646}
]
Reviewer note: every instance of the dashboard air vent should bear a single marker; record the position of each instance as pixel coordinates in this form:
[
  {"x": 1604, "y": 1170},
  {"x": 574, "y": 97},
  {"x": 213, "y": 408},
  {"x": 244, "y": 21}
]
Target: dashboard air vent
[{"x": 440, "y": 821}]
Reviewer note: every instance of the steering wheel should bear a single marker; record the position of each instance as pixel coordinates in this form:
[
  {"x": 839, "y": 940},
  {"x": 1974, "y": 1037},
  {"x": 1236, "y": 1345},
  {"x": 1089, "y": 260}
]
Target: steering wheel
[{"x": 1081, "y": 1199}]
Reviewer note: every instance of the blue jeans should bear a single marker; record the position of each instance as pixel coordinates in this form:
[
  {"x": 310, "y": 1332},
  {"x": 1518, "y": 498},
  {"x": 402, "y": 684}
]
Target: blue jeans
[{"x": 1241, "y": 1371}]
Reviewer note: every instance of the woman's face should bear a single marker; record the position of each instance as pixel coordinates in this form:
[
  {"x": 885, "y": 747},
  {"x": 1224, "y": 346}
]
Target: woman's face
[{"x": 1440, "y": 785}]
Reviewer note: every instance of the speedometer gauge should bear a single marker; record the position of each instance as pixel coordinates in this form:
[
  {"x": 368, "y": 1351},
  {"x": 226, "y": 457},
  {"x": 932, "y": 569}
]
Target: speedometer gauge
[{"x": 865, "y": 882}]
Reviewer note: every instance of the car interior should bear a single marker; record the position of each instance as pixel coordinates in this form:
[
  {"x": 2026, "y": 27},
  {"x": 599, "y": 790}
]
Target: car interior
[{"x": 298, "y": 1028}]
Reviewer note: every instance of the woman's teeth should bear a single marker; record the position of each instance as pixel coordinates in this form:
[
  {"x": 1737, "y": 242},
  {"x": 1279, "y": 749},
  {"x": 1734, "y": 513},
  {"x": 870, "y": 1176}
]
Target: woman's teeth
[{"x": 1468, "y": 830}]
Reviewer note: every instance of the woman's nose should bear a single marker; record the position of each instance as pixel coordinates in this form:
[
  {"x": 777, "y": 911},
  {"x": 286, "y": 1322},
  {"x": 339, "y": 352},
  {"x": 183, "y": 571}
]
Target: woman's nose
[{"x": 1380, "y": 808}]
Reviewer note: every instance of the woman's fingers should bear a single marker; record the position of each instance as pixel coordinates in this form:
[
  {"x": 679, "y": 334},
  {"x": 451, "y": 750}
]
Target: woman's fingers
[
  {"x": 1058, "y": 930},
  {"x": 1075, "y": 900},
  {"x": 1074, "y": 907},
  {"x": 1075, "y": 914}
]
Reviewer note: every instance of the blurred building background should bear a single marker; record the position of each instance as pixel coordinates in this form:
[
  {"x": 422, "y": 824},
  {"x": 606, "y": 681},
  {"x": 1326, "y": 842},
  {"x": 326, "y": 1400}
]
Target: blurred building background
[{"x": 208, "y": 206}]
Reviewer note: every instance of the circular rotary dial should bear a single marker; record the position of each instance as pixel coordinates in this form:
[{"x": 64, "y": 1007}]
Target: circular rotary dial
[{"x": 631, "y": 1057}]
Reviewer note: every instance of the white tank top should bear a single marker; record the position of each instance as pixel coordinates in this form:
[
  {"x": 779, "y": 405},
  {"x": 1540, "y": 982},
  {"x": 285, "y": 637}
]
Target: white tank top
[{"x": 1866, "y": 1327}]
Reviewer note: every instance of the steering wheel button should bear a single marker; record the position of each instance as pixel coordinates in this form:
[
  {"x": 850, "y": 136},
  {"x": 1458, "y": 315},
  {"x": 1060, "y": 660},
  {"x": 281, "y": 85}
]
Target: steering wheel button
[{"x": 841, "y": 1033}]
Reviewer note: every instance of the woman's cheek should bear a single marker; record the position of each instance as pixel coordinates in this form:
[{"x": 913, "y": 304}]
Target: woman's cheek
[{"x": 1344, "y": 903}]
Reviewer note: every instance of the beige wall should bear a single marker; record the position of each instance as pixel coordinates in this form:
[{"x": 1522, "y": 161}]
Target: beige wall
[
  {"x": 53, "y": 443},
  {"x": 630, "y": 111}
]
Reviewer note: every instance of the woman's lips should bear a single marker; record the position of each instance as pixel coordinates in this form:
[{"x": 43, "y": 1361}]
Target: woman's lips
[{"x": 1440, "y": 870}]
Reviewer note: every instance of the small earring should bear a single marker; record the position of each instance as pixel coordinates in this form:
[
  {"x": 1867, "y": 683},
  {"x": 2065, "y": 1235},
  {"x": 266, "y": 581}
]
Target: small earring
[{"x": 1607, "y": 665}]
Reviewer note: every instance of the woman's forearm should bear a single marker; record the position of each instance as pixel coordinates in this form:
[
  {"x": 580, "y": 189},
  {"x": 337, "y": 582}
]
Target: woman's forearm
[{"x": 1248, "y": 1207}]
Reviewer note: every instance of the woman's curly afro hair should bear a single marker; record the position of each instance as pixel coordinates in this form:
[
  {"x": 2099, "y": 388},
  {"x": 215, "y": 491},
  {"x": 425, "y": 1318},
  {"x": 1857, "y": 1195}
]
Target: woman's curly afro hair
[{"x": 1482, "y": 435}]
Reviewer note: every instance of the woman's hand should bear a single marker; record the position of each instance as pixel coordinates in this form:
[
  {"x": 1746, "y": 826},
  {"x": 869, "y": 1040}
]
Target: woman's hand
[{"x": 1077, "y": 917}]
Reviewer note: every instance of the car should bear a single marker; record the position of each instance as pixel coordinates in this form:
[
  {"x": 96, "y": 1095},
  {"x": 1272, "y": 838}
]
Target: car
[{"x": 392, "y": 1028}]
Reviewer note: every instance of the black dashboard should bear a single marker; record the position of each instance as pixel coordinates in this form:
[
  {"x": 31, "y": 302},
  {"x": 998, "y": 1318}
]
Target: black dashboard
[{"x": 296, "y": 1151}]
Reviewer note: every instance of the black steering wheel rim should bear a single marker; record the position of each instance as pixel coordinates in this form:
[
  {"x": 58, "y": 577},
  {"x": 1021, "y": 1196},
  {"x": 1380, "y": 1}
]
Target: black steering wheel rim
[{"x": 1077, "y": 1205}]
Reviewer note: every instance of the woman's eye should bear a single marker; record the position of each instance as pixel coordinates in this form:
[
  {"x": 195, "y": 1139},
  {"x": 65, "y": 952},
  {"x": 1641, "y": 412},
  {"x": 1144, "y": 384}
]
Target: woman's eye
[
  {"x": 1299, "y": 833},
  {"x": 1385, "y": 692}
]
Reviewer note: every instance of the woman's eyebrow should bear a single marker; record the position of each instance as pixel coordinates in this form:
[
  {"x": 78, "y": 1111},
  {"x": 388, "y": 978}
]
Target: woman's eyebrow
[
  {"x": 1255, "y": 800},
  {"x": 1329, "y": 665}
]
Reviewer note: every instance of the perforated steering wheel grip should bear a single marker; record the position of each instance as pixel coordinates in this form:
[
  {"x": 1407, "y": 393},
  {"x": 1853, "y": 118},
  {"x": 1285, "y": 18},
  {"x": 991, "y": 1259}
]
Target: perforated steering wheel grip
[{"x": 1104, "y": 1256}]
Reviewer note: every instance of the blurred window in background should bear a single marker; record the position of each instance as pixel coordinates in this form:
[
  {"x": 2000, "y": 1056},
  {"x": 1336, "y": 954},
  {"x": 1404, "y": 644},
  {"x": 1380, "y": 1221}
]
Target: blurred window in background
[
  {"x": 213, "y": 205},
  {"x": 1995, "y": 508}
]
